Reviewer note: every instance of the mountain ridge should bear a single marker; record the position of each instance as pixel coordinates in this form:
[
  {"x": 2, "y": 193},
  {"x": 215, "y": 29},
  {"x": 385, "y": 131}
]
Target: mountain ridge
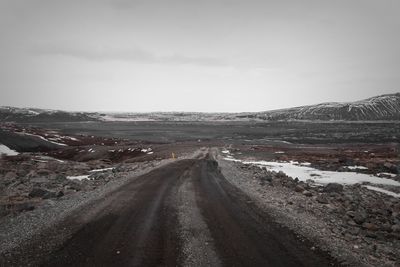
[
  {"x": 382, "y": 107},
  {"x": 379, "y": 108}
]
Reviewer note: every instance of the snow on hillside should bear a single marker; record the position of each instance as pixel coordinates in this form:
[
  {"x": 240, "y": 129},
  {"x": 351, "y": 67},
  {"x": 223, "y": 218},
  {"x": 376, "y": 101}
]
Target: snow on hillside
[{"x": 384, "y": 107}]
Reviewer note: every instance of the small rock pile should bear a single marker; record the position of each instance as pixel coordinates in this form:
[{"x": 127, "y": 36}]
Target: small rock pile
[
  {"x": 26, "y": 181},
  {"x": 366, "y": 220},
  {"x": 364, "y": 212}
]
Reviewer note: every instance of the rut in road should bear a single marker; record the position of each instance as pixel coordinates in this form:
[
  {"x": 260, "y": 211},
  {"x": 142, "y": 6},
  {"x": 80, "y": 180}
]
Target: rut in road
[
  {"x": 243, "y": 234},
  {"x": 140, "y": 226},
  {"x": 140, "y": 233}
]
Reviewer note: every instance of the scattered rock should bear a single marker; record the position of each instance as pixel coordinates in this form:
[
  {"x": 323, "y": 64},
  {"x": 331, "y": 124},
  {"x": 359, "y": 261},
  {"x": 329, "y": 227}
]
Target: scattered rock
[
  {"x": 395, "y": 228},
  {"x": 307, "y": 193},
  {"x": 370, "y": 226},
  {"x": 24, "y": 206},
  {"x": 323, "y": 199},
  {"x": 354, "y": 231},
  {"x": 60, "y": 194},
  {"x": 299, "y": 188},
  {"x": 360, "y": 217},
  {"x": 37, "y": 192},
  {"x": 42, "y": 193},
  {"x": 333, "y": 188}
]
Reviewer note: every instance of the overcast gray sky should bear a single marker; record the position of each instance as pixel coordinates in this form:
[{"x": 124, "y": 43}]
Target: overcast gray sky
[{"x": 208, "y": 55}]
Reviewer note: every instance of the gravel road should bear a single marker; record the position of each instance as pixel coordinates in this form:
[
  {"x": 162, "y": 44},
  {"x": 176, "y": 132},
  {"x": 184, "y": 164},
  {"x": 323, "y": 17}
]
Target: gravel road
[{"x": 182, "y": 214}]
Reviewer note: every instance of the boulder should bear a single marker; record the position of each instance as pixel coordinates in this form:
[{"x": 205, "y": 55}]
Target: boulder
[
  {"x": 37, "y": 192},
  {"x": 333, "y": 188},
  {"x": 44, "y": 172},
  {"x": 370, "y": 226},
  {"x": 391, "y": 167},
  {"x": 267, "y": 178},
  {"x": 281, "y": 174},
  {"x": 298, "y": 188},
  {"x": 42, "y": 193},
  {"x": 360, "y": 216},
  {"x": 323, "y": 199}
]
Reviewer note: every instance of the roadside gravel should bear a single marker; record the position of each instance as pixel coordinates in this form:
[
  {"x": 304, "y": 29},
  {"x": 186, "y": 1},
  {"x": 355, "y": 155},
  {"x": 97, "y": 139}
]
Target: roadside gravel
[
  {"x": 300, "y": 214},
  {"x": 197, "y": 243}
]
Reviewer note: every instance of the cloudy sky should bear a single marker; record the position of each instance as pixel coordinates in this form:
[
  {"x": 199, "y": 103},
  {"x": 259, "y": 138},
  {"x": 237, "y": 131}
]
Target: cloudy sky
[{"x": 208, "y": 55}]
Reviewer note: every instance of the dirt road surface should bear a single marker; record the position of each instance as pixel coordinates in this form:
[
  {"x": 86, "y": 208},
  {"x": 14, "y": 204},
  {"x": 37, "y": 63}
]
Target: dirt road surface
[{"x": 182, "y": 214}]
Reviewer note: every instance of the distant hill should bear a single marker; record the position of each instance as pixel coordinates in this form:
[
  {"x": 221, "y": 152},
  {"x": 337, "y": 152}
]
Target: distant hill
[
  {"x": 379, "y": 108},
  {"x": 11, "y": 114},
  {"x": 384, "y": 107}
]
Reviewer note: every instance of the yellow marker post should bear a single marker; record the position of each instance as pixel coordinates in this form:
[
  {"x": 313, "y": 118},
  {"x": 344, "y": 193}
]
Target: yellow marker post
[{"x": 173, "y": 155}]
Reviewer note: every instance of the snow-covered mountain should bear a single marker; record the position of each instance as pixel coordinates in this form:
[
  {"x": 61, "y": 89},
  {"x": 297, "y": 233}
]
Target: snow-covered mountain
[{"x": 384, "y": 107}]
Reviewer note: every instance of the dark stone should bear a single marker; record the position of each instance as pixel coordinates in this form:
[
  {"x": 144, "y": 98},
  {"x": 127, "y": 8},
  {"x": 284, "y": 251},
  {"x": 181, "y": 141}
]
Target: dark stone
[
  {"x": 38, "y": 192},
  {"x": 333, "y": 188},
  {"x": 370, "y": 226},
  {"x": 42, "y": 193},
  {"x": 307, "y": 194},
  {"x": 299, "y": 188},
  {"x": 360, "y": 217},
  {"x": 26, "y": 206},
  {"x": 396, "y": 228},
  {"x": 322, "y": 199},
  {"x": 354, "y": 231},
  {"x": 266, "y": 179}
]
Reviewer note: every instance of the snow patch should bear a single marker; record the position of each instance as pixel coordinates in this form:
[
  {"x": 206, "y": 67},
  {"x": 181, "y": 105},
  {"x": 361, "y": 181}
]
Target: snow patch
[
  {"x": 7, "y": 151},
  {"x": 356, "y": 168},
  {"x": 70, "y": 138},
  {"x": 79, "y": 177},
  {"x": 387, "y": 192},
  {"x": 50, "y": 158},
  {"x": 303, "y": 173},
  {"x": 102, "y": 170},
  {"x": 44, "y": 139}
]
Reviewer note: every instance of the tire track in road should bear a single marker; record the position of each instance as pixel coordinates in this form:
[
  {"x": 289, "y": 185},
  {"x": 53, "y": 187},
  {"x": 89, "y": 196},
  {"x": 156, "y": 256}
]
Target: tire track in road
[
  {"x": 141, "y": 233},
  {"x": 197, "y": 244},
  {"x": 244, "y": 235}
]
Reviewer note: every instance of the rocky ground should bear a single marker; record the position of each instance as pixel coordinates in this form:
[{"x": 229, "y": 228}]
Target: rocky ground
[
  {"x": 376, "y": 158},
  {"x": 354, "y": 224},
  {"x": 29, "y": 179},
  {"x": 58, "y": 172},
  {"x": 62, "y": 165}
]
